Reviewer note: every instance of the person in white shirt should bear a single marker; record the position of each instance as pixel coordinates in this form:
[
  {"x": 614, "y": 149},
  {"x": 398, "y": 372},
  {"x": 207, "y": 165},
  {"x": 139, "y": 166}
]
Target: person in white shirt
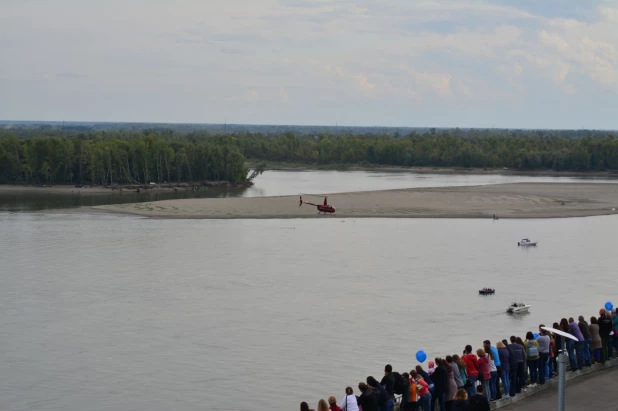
[{"x": 349, "y": 401}]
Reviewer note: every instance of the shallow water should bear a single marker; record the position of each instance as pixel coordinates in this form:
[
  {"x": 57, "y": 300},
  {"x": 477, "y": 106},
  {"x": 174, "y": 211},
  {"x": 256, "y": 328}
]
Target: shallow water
[
  {"x": 111, "y": 312},
  {"x": 277, "y": 183}
]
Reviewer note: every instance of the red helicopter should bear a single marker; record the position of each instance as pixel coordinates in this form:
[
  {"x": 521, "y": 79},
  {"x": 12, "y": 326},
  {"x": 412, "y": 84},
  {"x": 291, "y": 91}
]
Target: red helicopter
[{"x": 322, "y": 208}]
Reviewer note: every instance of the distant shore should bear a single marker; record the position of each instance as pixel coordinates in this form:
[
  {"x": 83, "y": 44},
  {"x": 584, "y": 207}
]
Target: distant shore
[
  {"x": 519, "y": 200},
  {"x": 56, "y": 189},
  {"x": 283, "y": 166},
  {"x": 88, "y": 189},
  {"x": 97, "y": 189}
]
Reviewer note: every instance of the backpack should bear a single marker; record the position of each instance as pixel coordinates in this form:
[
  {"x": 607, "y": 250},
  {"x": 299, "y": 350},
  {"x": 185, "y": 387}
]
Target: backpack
[
  {"x": 383, "y": 395},
  {"x": 533, "y": 351},
  {"x": 398, "y": 387}
]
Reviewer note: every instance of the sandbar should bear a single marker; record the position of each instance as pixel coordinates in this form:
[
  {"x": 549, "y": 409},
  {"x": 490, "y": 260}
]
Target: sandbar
[{"x": 517, "y": 200}]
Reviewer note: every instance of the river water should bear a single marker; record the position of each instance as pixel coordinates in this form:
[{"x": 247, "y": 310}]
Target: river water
[
  {"x": 107, "y": 312},
  {"x": 278, "y": 183}
]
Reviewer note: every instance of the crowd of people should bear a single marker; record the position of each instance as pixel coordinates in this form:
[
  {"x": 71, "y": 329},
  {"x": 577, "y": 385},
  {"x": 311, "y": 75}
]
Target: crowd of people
[{"x": 472, "y": 381}]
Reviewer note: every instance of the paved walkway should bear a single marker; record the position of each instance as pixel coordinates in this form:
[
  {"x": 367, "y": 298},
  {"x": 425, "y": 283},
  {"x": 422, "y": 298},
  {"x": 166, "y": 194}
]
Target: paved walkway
[{"x": 596, "y": 391}]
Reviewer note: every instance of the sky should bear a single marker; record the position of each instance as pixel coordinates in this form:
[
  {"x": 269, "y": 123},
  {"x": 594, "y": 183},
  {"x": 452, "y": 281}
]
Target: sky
[{"x": 417, "y": 63}]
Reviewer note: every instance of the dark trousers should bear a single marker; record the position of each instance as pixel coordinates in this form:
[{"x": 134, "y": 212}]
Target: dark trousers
[
  {"x": 533, "y": 368},
  {"x": 472, "y": 387},
  {"x": 606, "y": 349},
  {"x": 521, "y": 376},
  {"x": 513, "y": 380},
  {"x": 579, "y": 347},
  {"x": 542, "y": 365},
  {"x": 572, "y": 354},
  {"x": 439, "y": 398},
  {"x": 425, "y": 400},
  {"x": 498, "y": 394},
  {"x": 612, "y": 344}
]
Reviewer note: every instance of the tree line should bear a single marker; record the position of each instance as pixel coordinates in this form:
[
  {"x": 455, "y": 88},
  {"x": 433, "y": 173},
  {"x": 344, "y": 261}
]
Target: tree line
[
  {"x": 527, "y": 151},
  {"x": 27, "y": 127},
  {"x": 130, "y": 158},
  {"x": 54, "y": 155}
]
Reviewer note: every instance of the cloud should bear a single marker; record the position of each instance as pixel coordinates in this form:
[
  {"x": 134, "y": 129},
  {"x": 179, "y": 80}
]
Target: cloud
[
  {"x": 438, "y": 82},
  {"x": 552, "y": 40},
  {"x": 413, "y": 94},
  {"x": 361, "y": 57},
  {"x": 230, "y": 50},
  {"x": 584, "y": 48},
  {"x": 610, "y": 14},
  {"x": 463, "y": 89},
  {"x": 364, "y": 83},
  {"x": 70, "y": 75}
]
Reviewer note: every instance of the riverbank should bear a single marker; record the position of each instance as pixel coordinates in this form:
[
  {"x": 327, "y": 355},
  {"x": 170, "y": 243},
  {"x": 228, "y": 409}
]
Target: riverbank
[
  {"x": 518, "y": 200},
  {"x": 59, "y": 189},
  {"x": 96, "y": 189},
  {"x": 285, "y": 166}
]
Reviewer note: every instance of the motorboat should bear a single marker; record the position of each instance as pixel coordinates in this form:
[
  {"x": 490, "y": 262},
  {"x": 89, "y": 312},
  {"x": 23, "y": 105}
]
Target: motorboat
[
  {"x": 526, "y": 243},
  {"x": 518, "y": 308},
  {"x": 486, "y": 291}
]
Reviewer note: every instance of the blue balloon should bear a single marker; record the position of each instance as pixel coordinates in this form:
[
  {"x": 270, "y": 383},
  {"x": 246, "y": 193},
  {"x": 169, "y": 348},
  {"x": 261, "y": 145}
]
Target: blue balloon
[
  {"x": 536, "y": 335},
  {"x": 421, "y": 356},
  {"x": 609, "y": 306}
]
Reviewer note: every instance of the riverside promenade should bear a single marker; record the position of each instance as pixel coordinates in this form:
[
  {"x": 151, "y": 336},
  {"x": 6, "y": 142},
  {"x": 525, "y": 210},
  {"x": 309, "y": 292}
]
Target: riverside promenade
[{"x": 589, "y": 389}]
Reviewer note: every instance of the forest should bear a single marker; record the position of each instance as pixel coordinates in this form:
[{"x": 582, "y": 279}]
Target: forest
[
  {"x": 525, "y": 151},
  {"x": 99, "y": 159},
  {"x": 127, "y": 156}
]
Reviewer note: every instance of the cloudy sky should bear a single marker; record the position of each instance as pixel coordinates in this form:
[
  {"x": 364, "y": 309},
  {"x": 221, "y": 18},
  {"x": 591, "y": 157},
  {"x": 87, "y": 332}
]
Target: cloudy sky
[{"x": 467, "y": 63}]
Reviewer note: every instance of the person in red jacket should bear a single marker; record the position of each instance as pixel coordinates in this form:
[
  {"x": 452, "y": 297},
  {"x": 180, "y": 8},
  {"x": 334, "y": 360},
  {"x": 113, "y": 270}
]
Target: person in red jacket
[
  {"x": 472, "y": 368},
  {"x": 484, "y": 372}
]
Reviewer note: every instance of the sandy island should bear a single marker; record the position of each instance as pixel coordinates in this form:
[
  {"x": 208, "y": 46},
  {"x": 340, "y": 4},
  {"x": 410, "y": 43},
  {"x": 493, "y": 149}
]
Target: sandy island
[{"x": 518, "y": 200}]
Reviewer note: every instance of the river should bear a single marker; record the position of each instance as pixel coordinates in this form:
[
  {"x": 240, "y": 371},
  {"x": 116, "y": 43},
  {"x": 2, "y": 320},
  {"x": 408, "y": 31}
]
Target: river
[
  {"x": 106, "y": 312},
  {"x": 278, "y": 183}
]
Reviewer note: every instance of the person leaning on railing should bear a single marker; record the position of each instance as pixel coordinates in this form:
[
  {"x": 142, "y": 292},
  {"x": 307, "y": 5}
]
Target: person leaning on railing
[
  {"x": 605, "y": 329},
  {"x": 595, "y": 345}
]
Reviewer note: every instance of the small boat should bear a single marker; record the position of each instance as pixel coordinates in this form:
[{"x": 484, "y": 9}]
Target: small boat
[
  {"x": 486, "y": 291},
  {"x": 518, "y": 308},
  {"x": 526, "y": 243}
]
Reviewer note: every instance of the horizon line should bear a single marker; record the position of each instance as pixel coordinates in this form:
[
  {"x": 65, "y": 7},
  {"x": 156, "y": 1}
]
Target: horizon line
[{"x": 294, "y": 125}]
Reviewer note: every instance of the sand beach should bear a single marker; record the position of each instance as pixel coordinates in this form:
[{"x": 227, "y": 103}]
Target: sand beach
[{"x": 518, "y": 200}]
